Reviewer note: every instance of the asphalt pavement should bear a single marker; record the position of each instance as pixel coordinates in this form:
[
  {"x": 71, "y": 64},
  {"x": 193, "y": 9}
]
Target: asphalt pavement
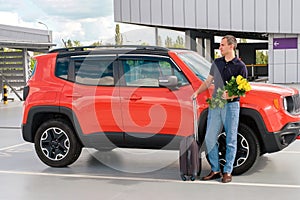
[{"x": 131, "y": 173}]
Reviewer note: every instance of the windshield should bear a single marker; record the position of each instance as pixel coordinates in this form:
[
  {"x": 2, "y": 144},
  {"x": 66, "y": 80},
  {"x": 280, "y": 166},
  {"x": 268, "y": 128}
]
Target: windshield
[{"x": 198, "y": 64}]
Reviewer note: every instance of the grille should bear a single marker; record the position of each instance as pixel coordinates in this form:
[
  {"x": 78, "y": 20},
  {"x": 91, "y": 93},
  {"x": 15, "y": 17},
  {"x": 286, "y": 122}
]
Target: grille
[
  {"x": 293, "y": 104},
  {"x": 296, "y": 103}
]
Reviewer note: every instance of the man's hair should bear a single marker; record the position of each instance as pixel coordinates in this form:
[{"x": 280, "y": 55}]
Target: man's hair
[{"x": 231, "y": 40}]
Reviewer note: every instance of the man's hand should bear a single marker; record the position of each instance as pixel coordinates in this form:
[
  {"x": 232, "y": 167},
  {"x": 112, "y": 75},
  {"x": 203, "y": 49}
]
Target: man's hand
[
  {"x": 226, "y": 96},
  {"x": 194, "y": 96}
]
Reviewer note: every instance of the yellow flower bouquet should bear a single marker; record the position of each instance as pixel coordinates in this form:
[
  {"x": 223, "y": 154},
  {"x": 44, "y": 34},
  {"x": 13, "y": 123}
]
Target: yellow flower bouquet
[{"x": 236, "y": 86}]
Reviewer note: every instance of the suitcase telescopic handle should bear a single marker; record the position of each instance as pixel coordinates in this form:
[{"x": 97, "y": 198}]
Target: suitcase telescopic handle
[{"x": 195, "y": 118}]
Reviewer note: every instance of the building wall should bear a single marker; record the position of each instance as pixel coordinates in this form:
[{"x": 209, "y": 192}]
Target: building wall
[
  {"x": 15, "y": 33},
  {"x": 284, "y": 65},
  {"x": 277, "y": 18},
  {"x": 16, "y": 37},
  {"x": 272, "y": 16}
]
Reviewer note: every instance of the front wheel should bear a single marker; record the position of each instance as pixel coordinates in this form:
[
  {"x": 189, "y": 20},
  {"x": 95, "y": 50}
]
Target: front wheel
[
  {"x": 247, "y": 153},
  {"x": 56, "y": 144}
]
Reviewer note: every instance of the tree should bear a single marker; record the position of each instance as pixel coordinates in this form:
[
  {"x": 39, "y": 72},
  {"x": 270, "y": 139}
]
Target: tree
[
  {"x": 159, "y": 41},
  {"x": 145, "y": 44},
  {"x": 261, "y": 57},
  {"x": 179, "y": 43},
  {"x": 217, "y": 55},
  {"x": 76, "y": 43},
  {"x": 98, "y": 43},
  {"x": 69, "y": 43},
  {"x": 243, "y": 40},
  {"x": 169, "y": 42},
  {"x": 118, "y": 36}
]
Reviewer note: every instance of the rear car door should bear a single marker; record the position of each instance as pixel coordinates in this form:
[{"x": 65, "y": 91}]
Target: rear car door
[
  {"x": 92, "y": 93},
  {"x": 153, "y": 115}
]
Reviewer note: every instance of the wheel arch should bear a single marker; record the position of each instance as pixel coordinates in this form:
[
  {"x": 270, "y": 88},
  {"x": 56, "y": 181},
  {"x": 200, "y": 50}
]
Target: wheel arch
[
  {"x": 40, "y": 114},
  {"x": 249, "y": 117},
  {"x": 254, "y": 121}
]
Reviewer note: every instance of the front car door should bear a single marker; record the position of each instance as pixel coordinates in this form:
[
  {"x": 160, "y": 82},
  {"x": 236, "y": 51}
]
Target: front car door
[{"x": 153, "y": 115}]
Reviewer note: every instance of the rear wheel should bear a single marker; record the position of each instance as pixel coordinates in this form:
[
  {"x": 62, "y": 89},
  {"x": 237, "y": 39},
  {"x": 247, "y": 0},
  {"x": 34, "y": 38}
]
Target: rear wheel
[
  {"x": 56, "y": 144},
  {"x": 248, "y": 150}
]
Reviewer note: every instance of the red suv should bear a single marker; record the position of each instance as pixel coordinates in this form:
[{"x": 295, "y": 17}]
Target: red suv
[{"x": 140, "y": 97}]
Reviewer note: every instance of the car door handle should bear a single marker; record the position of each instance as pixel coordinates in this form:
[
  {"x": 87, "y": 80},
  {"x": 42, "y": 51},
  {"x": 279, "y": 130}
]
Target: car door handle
[
  {"x": 74, "y": 95},
  {"x": 133, "y": 98}
]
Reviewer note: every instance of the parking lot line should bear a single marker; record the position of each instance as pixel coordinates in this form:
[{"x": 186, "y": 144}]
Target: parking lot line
[
  {"x": 291, "y": 152},
  {"x": 148, "y": 179},
  {"x": 10, "y": 127},
  {"x": 11, "y": 147}
]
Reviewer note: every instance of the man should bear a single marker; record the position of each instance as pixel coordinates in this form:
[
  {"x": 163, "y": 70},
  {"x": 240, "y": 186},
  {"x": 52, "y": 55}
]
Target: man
[{"x": 221, "y": 71}]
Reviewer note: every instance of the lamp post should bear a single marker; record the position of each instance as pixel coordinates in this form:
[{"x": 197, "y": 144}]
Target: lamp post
[{"x": 47, "y": 30}]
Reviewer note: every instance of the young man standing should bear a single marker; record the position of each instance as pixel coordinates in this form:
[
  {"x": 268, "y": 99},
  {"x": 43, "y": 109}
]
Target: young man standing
[{"x": 221, "y": 71}]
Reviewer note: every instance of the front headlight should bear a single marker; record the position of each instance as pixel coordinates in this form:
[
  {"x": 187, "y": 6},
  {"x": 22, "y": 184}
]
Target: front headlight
[
  {"x": 285, "y": 105},
  {"x": 292, "y": 104}
]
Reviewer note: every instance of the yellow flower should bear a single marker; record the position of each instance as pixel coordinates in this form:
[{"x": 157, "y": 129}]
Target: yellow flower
[
  {"x": 248, "y": 87},
  {"x": 239, "y": 79},
  {"x": 241, "y": 87},
  {"x": 236, "y": 86}
]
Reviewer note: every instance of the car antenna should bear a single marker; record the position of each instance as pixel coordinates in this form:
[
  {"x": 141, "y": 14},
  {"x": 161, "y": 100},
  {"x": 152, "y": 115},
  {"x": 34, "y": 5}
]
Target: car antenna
[{"x": 64, "y": 43}]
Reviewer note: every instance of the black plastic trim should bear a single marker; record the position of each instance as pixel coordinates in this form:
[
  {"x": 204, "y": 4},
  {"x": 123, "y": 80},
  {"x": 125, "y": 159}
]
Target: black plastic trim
[
  {"x": 100, "y": 140},
  {"x": 152, "y": 141},
  {"x": 269, "y": 141},
  {"x": 28, "y": 128}
]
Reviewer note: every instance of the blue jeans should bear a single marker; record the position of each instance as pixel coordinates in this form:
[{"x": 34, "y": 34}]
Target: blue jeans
[{"x": 217, "y": 118}]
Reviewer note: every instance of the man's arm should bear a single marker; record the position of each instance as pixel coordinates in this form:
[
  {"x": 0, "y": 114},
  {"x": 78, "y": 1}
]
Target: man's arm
[{"x": 204, "y": 86}]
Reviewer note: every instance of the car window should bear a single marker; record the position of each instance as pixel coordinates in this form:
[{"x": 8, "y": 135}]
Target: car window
[
  {"x": 198, "y": 64},
  {"x": 168, "y": 69},
  {"x": 62, "y": 67},
  {"x": 145, "y": 73},
  {"x": 94, "y": 72}
]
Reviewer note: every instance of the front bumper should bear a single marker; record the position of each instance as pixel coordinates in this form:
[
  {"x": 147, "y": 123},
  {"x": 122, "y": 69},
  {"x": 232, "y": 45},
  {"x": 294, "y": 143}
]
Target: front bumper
[{"x": 279, "y": 140}]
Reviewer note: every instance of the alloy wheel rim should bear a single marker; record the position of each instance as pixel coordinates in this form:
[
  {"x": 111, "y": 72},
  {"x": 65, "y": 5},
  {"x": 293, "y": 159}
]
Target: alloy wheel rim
[
  {"x": 55, "y": 143},
  {"x": 243, "y": 150}
]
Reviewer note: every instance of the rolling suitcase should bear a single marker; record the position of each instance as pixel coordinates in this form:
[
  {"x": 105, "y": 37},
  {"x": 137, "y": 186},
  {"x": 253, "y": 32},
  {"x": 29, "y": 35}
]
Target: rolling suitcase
[{"x": 189, "y": 159}]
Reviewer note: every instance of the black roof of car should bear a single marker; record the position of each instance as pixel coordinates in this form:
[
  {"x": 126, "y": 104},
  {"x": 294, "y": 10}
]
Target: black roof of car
[
  {"x": 124, "y": 49},
  {"x": 116, "y": 47}
]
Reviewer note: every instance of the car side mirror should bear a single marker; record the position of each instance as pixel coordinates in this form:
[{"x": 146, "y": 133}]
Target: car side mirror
[{"x": 170, "y": 82}]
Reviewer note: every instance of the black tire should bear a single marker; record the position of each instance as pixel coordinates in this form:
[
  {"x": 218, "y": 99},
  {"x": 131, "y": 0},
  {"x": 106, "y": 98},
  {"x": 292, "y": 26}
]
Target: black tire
[
  {"x": 56, "y": 143},
  {"x": 192, "y": 178},
  {"x": 248, "y": 150}
]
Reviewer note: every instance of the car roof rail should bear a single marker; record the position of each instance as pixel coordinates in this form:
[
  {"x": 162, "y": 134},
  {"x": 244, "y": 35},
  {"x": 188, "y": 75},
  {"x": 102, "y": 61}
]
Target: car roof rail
[{"x": 85, "y": 48}]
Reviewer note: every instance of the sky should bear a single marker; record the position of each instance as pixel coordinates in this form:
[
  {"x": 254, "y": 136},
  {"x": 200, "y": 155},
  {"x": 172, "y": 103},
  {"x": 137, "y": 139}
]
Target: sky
[{"x": 86, "y": 21}]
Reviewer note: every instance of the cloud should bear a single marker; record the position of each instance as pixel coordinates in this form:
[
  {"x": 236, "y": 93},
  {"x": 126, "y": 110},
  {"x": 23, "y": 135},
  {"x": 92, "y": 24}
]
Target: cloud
[
  {"x": 8, "y": 5},
  {"x": 86, "y": 21},
  {"x": 86, "y": 31},
  {"x": 30, "y": 10},
  {"x": 90, "y": 20},
  {"x": 75, "y": 9}
]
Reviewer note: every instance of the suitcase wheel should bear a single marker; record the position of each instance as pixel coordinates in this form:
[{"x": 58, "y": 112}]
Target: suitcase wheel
[
  {"x": 192, "y": 178},
  {"x": 183, "y": 177}
]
